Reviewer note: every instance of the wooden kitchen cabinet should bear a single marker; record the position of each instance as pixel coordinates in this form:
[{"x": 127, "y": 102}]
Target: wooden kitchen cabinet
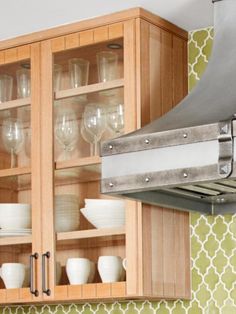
[{"x": 152, "y": 58}]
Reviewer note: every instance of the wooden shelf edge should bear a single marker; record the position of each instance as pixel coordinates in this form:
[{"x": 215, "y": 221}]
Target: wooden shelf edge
[
  {"x": 92, "y": 233},
  {"x": 88, "y": 89},
  {"x": 15, "y": 240},
  {"x": 14, "y": 171},
  {"x": 80, "y": 162},
  {"x": 16, "y": 103}
]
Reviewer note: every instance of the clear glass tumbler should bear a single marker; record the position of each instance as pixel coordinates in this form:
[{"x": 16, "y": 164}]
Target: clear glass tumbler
[
  {"x": 107, "y": 62},
  {"x": 57, "y": 77},
  {"x": 78, "y": 72},
  {"x": 6, "y": 86},
  {"x": 23, "y": 83}
]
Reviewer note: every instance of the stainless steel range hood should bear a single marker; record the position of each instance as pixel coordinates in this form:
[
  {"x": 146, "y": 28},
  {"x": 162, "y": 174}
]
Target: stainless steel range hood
[{"x": 186, "y": 159}]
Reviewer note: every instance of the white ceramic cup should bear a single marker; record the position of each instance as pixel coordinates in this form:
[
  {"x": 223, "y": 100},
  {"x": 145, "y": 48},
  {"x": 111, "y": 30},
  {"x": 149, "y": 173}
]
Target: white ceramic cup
[
  {"x": 78, "y": 270},
  {"x": 13, "y": 275},
  {"x": 110, "y": 268}
]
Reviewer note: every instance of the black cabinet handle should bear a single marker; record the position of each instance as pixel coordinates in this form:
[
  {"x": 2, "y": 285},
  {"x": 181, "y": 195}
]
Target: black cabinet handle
[
  {"x": 32, "y": 275},
  {"x": 46, "y": 290}
]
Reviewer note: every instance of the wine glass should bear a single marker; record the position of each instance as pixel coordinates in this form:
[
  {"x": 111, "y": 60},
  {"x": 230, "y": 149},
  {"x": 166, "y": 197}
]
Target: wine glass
[
  {"x": 94, "y": 120},
  {"x": 28, "y": 142},
  {"x": 115, "y": 118},
  {"x": 23, "y": 83},
  {"x": 13, "y": 137},
  {"x": 66, "y": 130},
  {"x": 87, "y": 136}
]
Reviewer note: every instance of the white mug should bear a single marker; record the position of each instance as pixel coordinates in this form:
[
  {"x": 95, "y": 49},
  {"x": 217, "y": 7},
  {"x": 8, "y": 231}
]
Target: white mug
[
  {"x": 13, "y": 275},
  {"x": 78, "y": 270},
  {"x": 110, "y": 268}
]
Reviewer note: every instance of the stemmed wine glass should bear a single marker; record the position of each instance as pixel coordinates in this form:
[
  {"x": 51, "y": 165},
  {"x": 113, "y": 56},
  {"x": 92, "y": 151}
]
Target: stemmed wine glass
[
  {"x": 115, "y": 118},
  {"x": 94, "y": 119},
  {"x": 66, "y": 130},
  {"x": 13, "y": 137}
]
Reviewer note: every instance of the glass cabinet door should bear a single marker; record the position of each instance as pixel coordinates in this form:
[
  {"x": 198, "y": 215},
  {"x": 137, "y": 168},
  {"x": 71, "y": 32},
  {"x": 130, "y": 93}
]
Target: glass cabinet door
[
  {"x": 19, "y": 188},
  {"x": 86, "y": 236}
]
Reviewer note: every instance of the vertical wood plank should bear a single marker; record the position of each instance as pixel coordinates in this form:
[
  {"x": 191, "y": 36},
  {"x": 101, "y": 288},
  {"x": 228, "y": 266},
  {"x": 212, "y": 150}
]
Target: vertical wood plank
[
  {"x": 180, "y": 254},
  {"x": 157, "y": 251},
  {"x": 115, "y": 30},
  {"x": 144, "y": 64},
  {"x": 118, "y": 289},
  {"x": 166, "y": 71},
  {"x": 134, "y": 269},
  {"x": 11, "y": 55},
  {"x": 147, "y": 240},
  {"x": 187, "y": 256},
  {"x": 130, "y": 76},
  {"x": 12, "y": 295},
  {"x": 36, "y": 159},
  {"x": 3, "y": 296},
  {"x": 2, "y": 57},
  {"x": 72, "y": 41},
  {"x": 169, "y": 252},
  {"x": 23, "y": 52},
  {"x": 178, "y": 70},
  {"x": 100, "y": 34},
  {"x": 47, "y": 162},
  {"x": 86, "y": 38},
  {"x": 58, "y": 44},
  {"x": 89, "y": 291},
  {"x": 103, "y": 290},
  {"x": 75, "y": 292},
  {"x": 155, "y": 73}
]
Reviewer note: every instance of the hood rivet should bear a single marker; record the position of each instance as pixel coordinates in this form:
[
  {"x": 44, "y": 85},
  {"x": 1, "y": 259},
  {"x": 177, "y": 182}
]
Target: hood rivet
[
  {"x": 147, "y": 180},
  {"x": 185, "y": 135},
  {"x": 185, "y": 175},
  {"x": 110, "y": 146},
  {"x": 147, "y": 141},
  {"x": 111, "y": 185}
]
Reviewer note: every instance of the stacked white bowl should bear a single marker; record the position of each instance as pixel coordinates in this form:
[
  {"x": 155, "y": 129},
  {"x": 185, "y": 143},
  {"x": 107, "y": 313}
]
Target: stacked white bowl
[
  {"x": 15, "y": 217},
  {"x": 67, "y": 212},
  {"x": 102, "y": 213}
]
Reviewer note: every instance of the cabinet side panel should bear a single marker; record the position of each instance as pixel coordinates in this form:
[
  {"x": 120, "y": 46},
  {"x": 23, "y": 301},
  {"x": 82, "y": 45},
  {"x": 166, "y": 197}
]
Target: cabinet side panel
[{"x": 161, "y": 84}]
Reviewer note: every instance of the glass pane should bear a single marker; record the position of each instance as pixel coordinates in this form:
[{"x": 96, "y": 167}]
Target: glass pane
[
  {"x": 80, "y": 126},
  {"x": 15, "y": 231},
  {"x": 15, "y": 137},
  {"x": 86, "y": 226},
  {"x": 88, "y": 65}
]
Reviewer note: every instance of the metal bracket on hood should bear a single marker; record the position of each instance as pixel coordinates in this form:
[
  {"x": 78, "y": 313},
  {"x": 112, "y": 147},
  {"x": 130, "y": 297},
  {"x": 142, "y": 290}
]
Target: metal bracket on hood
[{"x": 226, "y": 151}]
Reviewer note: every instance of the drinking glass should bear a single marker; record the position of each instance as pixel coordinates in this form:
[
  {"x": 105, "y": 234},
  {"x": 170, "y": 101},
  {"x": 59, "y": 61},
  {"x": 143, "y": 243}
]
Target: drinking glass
[
  {"x": 66, "y": 130},
  {"x": 13, "y": 137},
  {"x": 107, "y": 62},
  {"x": 95, "y": 122},
  {"x": 23, "y": 83},
  {"x": 115, "y": 118},
  {"x": 87, "y": 136},
  {"x": 78, "y": 72},
  {"x": 6, "y": 85},
  {"x": 57, "y": 77}
]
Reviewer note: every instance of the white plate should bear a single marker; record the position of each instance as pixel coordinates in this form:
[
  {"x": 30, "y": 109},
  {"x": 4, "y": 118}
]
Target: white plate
[{"x": 14, "y": 233}]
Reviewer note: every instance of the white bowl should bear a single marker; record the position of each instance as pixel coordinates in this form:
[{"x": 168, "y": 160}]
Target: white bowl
[
  {"x": 119, "y": 204},
  {"x": 105, "y": 218},
  {"x": 15, "y": 216}
]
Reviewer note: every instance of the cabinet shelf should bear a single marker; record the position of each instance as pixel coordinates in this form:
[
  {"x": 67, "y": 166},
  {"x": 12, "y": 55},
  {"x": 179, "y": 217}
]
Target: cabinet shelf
[
  {"x": 79, "y": 170},
  {"x": 15, "y": 103},
  {"x": 4, "y": 241},
  {"x": 92, "y": 233},
  {"x": 14, "y": 171},
  {"x": 89, "y": 89},
  {"x": 80, "y": 162}
]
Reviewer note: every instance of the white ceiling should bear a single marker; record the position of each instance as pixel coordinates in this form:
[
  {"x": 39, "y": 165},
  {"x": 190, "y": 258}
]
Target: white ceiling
[{"x": 19, "y": 17}]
